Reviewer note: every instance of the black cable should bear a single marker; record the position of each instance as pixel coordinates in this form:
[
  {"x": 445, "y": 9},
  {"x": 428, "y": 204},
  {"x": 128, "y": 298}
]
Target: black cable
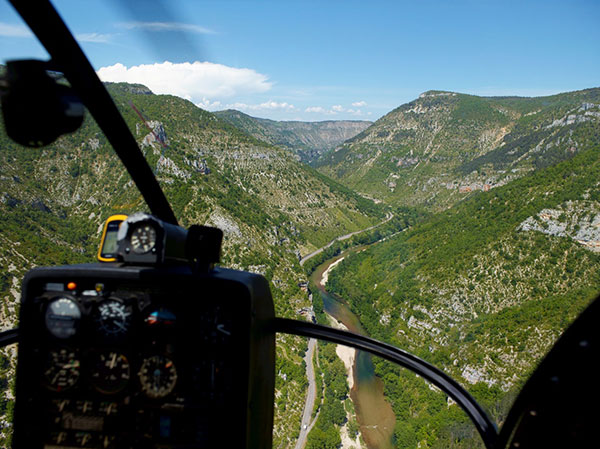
[
  {"x": 482, "y": 422},
  {"x": 9, "y": 337},
  {"x": 47, "y": 25}
]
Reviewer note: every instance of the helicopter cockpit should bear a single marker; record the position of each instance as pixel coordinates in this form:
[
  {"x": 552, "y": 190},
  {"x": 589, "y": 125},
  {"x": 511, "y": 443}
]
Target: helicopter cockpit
[{"x": 155, "y": 347}]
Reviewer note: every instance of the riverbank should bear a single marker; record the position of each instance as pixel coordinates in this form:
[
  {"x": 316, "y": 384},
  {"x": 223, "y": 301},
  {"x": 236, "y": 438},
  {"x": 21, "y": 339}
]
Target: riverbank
[
  {"x": 374, "y": 414},
  {"x": 325, "y": 275},
  {"x": 344, "y": 237},
  {"x": 348, "y": 356}
]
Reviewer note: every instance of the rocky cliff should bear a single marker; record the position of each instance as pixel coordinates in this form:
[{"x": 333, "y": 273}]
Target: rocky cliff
[{"x": 308, "y": 140}]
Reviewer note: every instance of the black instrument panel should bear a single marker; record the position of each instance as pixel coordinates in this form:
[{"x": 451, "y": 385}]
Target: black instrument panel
[{"x": 143, "y": 357}]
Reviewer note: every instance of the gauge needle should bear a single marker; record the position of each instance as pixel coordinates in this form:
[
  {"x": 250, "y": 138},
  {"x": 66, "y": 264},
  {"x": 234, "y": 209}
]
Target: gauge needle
[
  {"x": 113, "y": 360},
  {"x": 221, "y": 328}
]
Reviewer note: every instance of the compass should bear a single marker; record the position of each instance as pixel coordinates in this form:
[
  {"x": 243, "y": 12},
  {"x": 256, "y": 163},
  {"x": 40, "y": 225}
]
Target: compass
[
  {"x": 143, "y": 239},
  {"x": 158, "y": 376}
]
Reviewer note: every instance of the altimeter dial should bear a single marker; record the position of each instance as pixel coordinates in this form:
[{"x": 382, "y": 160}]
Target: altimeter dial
[
  {"x": 113, "y": 317},
  {"x": 158, "y": 376},
  {"x": 143, "y": 239}
]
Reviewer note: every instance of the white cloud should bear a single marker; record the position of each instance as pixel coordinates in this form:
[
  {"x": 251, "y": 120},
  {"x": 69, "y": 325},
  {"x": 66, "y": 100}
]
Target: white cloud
[
  {"x": 209, "y": 105},
  {"x": 97, "y": 38},
  {"x": 198, "y": 81},
  {"x": 266, "y": 106},
  {"x": 359, "y": 104},
  {"x": 167, "y": 26},
  {"x": 335, "y": 110},
  {"x": 317, "y": 109},
  {"x": 10, "y": 30}
]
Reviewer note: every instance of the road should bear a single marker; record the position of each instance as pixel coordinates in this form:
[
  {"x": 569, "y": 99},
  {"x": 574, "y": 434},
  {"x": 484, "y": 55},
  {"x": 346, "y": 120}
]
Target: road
[
  {"x": 306, "y": 424},
  {"x": 343, "y": 237}
]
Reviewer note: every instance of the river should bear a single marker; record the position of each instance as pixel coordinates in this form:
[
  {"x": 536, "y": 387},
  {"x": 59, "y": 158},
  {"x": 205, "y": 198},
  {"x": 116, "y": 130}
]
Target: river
[{"x": 374, "y": 414}]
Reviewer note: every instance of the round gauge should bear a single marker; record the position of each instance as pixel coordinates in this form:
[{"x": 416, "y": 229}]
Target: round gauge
[
  {"x": 158, "y": 376},
  {"x": 62, "y": 369},
  {"x": 113, "y": 317},
  {"x": 62, "y": 317},
  {"x": 111, "y": 372},
  {"x": 143, "y": 239}
]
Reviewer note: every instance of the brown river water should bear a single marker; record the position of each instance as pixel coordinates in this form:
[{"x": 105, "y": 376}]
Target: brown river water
[{"x": 374, "y": 414}]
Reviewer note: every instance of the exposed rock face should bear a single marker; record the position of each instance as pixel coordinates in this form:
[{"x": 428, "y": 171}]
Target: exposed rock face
[
  {"x": 443, "y": 146},
  {"x": 137, "y": 89},
  {"x": 578, "y": 220},
  {"x": 166, "y": 165},
  {"x": 199, "y": 165},
  {"x": 228, "y": 226},
  {"x": 158, "y": 131},
  {"x": 306, "y": 139}
]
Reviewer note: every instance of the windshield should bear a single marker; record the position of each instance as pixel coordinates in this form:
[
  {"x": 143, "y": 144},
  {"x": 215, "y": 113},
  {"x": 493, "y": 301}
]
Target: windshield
[{"x": 423, "y": 174}]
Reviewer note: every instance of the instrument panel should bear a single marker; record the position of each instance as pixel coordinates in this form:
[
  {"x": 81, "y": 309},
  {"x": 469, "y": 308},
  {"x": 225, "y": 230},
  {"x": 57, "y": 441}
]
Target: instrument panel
[{"x": 171, "y": 361}]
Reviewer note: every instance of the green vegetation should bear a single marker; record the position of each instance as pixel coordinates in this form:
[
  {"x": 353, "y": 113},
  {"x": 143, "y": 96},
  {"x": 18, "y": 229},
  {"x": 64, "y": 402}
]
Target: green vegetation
[
  {"x": 325, "y": 434},
  {"x": 53, "y": 202},
  {"x": 437, "y": 149},
  {"x": 455, "y": 278},
  {"x": 402, "y": 219},
  {"x": 308, "y": 140},
  {"x": 465, "y": 289}
]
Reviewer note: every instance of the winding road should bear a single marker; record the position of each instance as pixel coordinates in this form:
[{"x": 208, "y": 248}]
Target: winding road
[
  {"x": 344, "y": 237},
  {"x": 307, "y": 425}
]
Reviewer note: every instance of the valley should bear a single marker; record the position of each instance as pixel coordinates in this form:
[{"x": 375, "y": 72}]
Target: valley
[{"x": 485, "y": 210}]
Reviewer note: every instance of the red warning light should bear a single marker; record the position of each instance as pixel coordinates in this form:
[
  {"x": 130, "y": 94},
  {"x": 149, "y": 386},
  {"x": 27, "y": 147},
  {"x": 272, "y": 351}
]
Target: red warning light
[{"x": 71, "y": 286}]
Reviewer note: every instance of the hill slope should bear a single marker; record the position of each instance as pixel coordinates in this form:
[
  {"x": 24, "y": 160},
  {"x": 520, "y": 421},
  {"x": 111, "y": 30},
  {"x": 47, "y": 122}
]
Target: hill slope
[
  {"x": 481, "y": 290},
  {"x": 308, "y": 140},
  {"x": 443, "y": 146},
  {"x": 271, "y": 208}
]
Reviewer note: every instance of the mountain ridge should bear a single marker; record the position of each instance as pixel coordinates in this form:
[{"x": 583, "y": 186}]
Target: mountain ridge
[
  {"x": 442, "y": 146},
  {"x": 308, "y": 140},
  {"x": 271, "y": 208}
]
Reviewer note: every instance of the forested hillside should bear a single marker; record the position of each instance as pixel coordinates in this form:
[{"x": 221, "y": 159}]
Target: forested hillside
[
  {"x": 271, "y": 208},
  {"x": 498, "y": 201},
  {"x": 443, "y": 146},
  {"x": 481, "y": 290}
]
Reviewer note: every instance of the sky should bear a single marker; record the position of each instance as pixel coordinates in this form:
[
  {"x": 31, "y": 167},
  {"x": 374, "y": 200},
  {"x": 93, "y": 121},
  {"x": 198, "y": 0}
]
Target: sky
[{"x": 328, "y": 60}]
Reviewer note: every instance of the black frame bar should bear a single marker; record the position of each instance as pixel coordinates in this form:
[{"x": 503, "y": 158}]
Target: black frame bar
[
  {"x": 484, "y": 425},
  {"x": 50, "y": 29}
]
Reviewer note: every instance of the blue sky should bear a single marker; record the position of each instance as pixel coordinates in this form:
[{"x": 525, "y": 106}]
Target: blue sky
[{"x": 304, "y": 60}]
